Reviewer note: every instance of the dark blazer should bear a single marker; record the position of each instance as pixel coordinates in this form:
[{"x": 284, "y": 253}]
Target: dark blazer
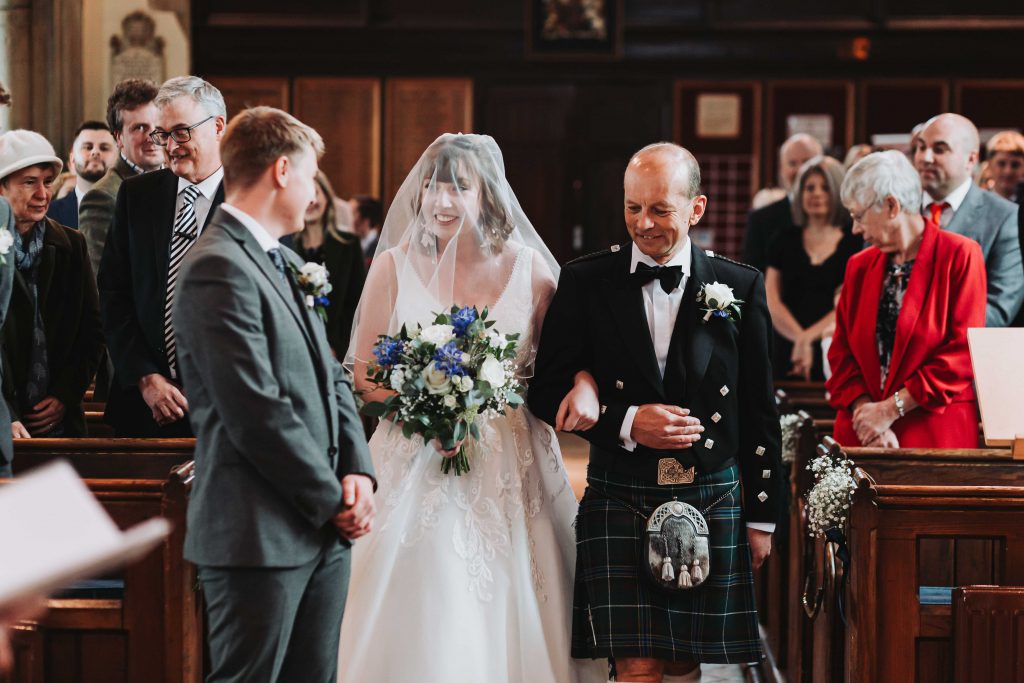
[
  {"x": 991, "y": 221},
  {"x": 275, "y": 421},
  {"x": 945, "y": 297},
  {"x": 596, "y": 322},
  {"x": 762, "y": 226},
  {"x": 347, "y": 274},
  {"x": 96, "y": 212},
  {"x": 133, "y": 286},
  {"x": 71, "y": 318},
  {"x": 6, "y": 284},
  {"x": 65, "y": 210}
]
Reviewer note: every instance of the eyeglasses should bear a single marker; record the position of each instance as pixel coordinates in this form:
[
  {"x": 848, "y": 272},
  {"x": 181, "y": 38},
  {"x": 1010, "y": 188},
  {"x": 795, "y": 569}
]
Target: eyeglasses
[{"x": 179, "y": 135}]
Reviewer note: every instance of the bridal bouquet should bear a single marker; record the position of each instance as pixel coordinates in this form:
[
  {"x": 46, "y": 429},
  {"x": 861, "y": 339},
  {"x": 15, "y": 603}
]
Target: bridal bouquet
[{"x": 444, "y": 376}]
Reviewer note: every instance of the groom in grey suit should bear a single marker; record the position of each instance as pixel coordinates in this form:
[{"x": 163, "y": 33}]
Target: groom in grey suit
[
  {"x": 6, "y": 285},
  {"x": 284, "y": 481}
]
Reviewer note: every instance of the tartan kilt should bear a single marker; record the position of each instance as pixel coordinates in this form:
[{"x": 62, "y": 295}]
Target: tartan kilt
[{"x": 617, "y": 612}]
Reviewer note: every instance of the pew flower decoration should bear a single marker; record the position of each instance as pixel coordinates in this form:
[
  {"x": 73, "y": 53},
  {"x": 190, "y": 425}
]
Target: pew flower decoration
[
  {"x": 445, "y": 377},
  {"x": 6, "y": 242},
  {"x": 313, "y": 280},
  {"x": 790, "y": 424},
  {"x": 828, "y": 501},
  {"x": 718, "y": 301}
]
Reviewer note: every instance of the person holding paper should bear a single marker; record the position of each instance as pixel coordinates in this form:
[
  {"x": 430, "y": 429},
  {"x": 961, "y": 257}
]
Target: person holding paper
[{"x": 284, "y": 482}]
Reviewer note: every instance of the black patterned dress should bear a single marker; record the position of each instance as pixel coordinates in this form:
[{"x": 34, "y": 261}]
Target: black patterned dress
[{"x": 897, "y": 278}]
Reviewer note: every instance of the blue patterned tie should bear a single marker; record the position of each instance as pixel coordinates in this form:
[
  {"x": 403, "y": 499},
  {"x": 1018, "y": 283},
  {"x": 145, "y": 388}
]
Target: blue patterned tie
[{"x": 278, "y": 258}]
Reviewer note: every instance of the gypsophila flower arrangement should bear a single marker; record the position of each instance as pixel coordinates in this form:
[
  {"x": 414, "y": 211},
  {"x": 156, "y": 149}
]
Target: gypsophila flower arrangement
[
  {"x": 445, "y": 376},
  {"x": 790, "y": 424},
  {"x": 828, "y": 501},
  {"x": 718, "y": 301},
  {"x": 313, "y": 280}
]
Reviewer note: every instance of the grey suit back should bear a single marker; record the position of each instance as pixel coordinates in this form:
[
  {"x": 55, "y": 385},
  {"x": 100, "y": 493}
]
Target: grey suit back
[{"x": 6, "y": 285}]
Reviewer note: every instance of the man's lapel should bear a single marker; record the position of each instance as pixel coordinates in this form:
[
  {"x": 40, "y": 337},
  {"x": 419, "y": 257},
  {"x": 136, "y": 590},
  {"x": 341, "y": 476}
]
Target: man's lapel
[
  {"x": 626, "y": 308},
  {"x": 966, "y": 219},
  {"x": 218, "y": 199},
  {"x": 690, "y": 328},
  {"x": 163, "y": 224}
]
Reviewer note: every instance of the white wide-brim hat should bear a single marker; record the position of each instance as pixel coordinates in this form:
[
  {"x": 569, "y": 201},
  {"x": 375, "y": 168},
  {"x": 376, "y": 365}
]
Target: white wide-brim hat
[{"x": 23, "y": 148}]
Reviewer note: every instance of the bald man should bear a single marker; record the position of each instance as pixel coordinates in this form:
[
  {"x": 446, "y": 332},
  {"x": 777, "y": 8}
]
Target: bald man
[
  {"x": 764, "y": 223},
  {"x": 687, "y": 414},
  {"x": 945, "y": 154}
]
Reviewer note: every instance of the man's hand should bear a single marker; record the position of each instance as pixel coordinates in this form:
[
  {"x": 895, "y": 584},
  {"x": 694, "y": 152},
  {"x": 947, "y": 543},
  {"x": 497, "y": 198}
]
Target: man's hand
[
  {"x": 45, "y": 415},
  {"x": 579, "y": 410},
  {"x": 18, "y": 431},
  {"x": 164, "y": 398},
  {"x": 357, "y": 498},
  {"x": 760, "y": 546},
  {"x": 665, "y": 427},
  {"x": 871, "y": 420}
]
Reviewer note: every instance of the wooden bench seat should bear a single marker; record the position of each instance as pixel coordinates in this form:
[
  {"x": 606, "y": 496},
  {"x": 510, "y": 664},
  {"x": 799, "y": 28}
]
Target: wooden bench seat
[{"x": 106, "y": 458}]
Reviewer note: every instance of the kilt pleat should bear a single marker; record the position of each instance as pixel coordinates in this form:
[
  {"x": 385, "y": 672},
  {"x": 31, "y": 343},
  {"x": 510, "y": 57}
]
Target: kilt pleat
[{"x": 617, "y": 612}]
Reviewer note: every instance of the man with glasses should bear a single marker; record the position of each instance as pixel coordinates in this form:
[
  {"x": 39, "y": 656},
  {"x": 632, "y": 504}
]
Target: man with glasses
[
  {"x": 131, "y": 116},
  {"x": 158, "y": 218}
]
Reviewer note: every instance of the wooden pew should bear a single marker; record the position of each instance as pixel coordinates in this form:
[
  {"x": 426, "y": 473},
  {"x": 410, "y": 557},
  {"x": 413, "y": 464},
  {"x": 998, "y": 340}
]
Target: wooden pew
[
  {"x": 153, "y": 631},
  {"x": 106, "y": 458},
  {"x": 904, "y": 537},
  {"x": 808, "y": 396},
  {"x": 988, "y": 634}
]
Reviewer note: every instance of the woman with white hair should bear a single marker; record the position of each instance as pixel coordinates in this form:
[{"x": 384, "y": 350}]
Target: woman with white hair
[{"x": 901, "y": 372}]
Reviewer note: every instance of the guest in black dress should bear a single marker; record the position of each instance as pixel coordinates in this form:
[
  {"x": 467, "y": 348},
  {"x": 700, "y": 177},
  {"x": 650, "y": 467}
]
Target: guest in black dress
[
  {"x": 806, "y": 267},
  {"x": 326, "y": 240}
]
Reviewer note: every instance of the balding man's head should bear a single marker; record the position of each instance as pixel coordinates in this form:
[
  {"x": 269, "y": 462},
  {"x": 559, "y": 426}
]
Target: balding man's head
[
  {"x": 662, "y": 199},
  {"x": 794, "y": 153},
  {"x": 945, "y": 153}
]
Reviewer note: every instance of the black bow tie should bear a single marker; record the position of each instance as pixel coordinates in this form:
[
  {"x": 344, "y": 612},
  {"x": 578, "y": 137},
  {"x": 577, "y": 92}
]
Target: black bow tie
[{"x": 668, "y": 276}]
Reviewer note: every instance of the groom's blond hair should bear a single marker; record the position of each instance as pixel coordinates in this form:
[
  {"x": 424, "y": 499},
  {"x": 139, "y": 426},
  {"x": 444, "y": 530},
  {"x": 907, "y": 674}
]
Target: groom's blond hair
[{"x": 256, "y": 138}]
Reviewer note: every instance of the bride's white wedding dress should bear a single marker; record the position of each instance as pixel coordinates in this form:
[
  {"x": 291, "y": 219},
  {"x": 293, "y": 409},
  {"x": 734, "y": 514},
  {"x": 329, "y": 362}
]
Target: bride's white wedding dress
[{"x": 467, "y": 579}]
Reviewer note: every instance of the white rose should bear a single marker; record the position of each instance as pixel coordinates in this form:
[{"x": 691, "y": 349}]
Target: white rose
[
  {"x": 496, "y": 340},
  {"x": 492, "y": 372},
  {"x": 397, "y": 378},
  {"x": 437, "y": 382},
  {"x": 718, "y": 296},
  {"x": 465, "y": 383},
  {"x": 315, "y": 274},
  {"x": 438, "y": 335},
  {"x": 6, "y": 241},
  {"x": 450, "y": 401}
]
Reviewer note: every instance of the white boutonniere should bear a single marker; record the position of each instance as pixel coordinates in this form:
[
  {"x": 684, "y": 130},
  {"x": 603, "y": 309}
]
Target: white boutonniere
[
  {"x": 6, "y": 242},
  {"x": 719, "y": 302},
  {"x": 313, "y": 280}
]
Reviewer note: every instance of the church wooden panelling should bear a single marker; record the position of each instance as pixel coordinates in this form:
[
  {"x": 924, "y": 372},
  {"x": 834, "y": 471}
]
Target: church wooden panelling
[
  {"x": 897, "y": 105},
  {"x": 347, "y": 113},
  {"x": 988, "y": 626},
  {"x": 991, "y": 104},
  {"x": 787, "y": 98},
  {"x": 791, "y": 13},
  {"x": 241, "y": 92},
  {"x": 729, "y": 165},
  {"x": 417, "y": 111}
]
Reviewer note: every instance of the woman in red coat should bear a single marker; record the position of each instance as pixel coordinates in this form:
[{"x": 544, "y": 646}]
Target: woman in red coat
[{"x": 901, "y": 372}]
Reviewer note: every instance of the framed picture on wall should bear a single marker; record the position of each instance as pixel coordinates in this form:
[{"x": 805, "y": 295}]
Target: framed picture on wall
[{"x": 574, "y": 29}]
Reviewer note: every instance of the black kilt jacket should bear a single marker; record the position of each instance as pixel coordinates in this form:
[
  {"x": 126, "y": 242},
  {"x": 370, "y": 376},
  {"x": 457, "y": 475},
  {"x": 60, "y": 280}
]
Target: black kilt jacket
[{"x": 719, "y": 369}]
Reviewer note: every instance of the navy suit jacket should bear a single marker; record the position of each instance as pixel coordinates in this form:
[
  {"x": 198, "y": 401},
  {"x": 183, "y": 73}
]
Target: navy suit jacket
[{"x": 65, "y": 210}]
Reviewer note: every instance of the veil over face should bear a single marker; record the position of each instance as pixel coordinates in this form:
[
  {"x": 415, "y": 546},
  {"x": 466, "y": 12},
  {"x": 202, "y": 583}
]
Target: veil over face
[{"x": 453, "y": 236}]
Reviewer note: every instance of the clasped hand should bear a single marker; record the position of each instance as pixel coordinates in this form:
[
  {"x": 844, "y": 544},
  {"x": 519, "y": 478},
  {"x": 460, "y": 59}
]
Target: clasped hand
[
  {"x": 356, "y": 517},
  {"x": 164, "y": 398},
  {"x": 873, "y": 422},
  {"x": 665, "y": 427}
]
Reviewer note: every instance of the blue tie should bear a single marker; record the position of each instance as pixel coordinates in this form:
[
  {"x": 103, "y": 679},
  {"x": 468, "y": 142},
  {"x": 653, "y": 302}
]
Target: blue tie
[{"x": 278, "y": 258}]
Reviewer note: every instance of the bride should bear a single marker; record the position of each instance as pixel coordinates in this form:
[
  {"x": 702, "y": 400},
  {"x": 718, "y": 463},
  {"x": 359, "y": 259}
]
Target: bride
[{"x": 464, "y": 578}]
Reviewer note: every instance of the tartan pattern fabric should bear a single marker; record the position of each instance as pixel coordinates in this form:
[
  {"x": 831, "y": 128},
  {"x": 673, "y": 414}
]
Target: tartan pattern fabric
[{"x": 618, "y": 613}]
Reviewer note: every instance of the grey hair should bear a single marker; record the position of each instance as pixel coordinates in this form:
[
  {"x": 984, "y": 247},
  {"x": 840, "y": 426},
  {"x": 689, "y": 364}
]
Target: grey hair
[
  {"x": 832, "y": 171},
  {"x": 202, "y": 92},
  {"x": 681, "y": 153},
  {"x": 880, "y": 175}
]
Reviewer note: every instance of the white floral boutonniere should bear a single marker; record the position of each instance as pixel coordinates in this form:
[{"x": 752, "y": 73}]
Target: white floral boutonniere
[
  {"x": 719, "y": 302},
  {"x": 312, "y": 279},
  {"x": 6, "y": 242}
]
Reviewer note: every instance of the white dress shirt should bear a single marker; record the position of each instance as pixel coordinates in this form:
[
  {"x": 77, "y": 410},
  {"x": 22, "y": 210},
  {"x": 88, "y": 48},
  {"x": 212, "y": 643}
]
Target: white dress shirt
[
  {"x": 954, "y": 199},
  {"x": 252, "y": 225},
  {"x": 207, "y": 191}
]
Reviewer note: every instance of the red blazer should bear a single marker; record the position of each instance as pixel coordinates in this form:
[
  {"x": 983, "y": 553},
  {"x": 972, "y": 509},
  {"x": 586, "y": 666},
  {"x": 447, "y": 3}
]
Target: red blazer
[{"x": 946, "y": 295}]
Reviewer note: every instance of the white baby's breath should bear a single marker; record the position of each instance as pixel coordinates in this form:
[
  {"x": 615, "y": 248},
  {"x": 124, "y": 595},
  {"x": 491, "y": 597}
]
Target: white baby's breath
[
  {"x": 828, "y": 501},
  {"x": 790, "y": 423}
]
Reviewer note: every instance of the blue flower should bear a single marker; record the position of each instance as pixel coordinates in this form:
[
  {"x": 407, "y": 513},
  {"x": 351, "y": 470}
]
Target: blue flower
[
  {"x": 449, "y": 359},
  {"x": 388, "y": 351},
  {"x": 463, "y": 319}
]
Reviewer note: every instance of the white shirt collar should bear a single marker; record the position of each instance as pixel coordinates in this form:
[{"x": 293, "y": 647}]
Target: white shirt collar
[
  {"x": 954, "y": 198},
  {"x": 79, "y": 193},
  {"x": 252, "y": 225},
  {"x": 682, "y": 258},
  {"x": 208, "y": 187}
]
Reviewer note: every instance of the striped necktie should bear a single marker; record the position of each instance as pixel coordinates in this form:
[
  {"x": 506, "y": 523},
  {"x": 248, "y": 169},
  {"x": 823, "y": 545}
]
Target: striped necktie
[{"x": 186, "y": 229}]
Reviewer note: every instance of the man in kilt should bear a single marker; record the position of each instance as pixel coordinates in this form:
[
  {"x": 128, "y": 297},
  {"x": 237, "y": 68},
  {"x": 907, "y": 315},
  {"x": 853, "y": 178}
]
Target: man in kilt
[{"x": 687, "y": 413}]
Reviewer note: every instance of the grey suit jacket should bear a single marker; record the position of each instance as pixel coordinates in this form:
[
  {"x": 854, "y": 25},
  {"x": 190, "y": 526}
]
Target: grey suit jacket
[
  {"x": 96, "y": 212},
  {"x": 275, "y": 421},
  {"x": 991, "y": 221},
  {"x": 6, "y": 286}
]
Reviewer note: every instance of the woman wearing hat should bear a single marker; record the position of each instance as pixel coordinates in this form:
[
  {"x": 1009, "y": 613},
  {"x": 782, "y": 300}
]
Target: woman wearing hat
[{"x": 52, "y": 338}]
